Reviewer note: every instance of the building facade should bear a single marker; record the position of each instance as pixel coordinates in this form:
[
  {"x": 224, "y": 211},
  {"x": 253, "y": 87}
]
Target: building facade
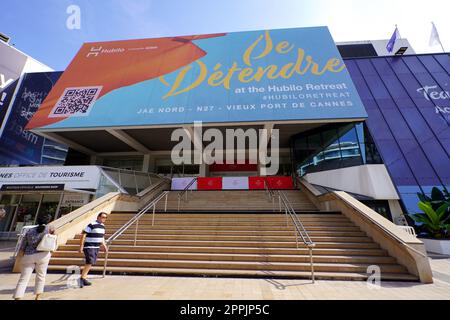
[{"x": 345, "y": 118}]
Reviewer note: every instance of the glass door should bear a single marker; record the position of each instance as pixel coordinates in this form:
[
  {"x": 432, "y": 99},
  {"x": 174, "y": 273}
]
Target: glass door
[
  {"x": 26, "y": 212},
  {"x": 9, "y": 203},
  {"x": 49, "y": 206}
]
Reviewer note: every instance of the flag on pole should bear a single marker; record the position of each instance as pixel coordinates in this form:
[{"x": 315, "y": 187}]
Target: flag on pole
[
  {"x": 434, "y": 37},
  {"x": 391, "y": 43}
]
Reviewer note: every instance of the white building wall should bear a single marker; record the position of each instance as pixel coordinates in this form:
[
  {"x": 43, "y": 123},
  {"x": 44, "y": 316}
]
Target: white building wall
[
  {"x": 370, "y": 180},
  {"x": 380, "y": 46},
  {"x": 33, "y": 65}
]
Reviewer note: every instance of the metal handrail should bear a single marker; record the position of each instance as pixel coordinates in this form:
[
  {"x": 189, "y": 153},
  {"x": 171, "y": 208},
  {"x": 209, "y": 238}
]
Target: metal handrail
[
  {"x": 105, "y": 170},
  {"x": 185, "y": 191},
  {"x": 69, "y": 218},
  {"x": 270, "y": 193},
  {"x": 299, "y": 228},
  {"x": 134, "y": 171},
  {"x": 409, "y": 230},
  {"x": 304, "y": 234},
  {"x": 392, "y": 235},
  {"x": 133, "y": 220},
  {"x": 151, "y": 188}
]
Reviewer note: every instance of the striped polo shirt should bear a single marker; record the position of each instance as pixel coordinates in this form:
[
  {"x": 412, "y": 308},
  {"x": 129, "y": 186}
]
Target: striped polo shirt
[{"x": 95, "y": 232}]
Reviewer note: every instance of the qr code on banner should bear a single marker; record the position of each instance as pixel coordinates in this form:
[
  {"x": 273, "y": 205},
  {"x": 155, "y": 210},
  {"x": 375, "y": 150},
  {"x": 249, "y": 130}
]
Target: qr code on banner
[{"x": 76, "y": 102}]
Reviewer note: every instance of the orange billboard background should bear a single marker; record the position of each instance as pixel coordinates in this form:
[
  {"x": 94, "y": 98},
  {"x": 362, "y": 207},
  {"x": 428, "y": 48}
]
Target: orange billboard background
[{"x": 122, "y": 63}]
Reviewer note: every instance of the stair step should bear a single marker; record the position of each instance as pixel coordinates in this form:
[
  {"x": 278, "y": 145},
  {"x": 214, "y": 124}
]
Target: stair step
[
  {"x": 236, "y": 250},
  {"x": 233, "y": 224},
  {"x": 131, "y": 231},
  {"x": 234, "y": 257},
  {"x": 225, "y": 215},
  {"x": 282, "y": 266},
  {"x": 235, "y": 229},
  {"x": 281, "y": 219},
  {"x": 245, "y": 273},
  {"x": 262, "y": 244},
  {"x": 239, "y": 238},
  {"x": 235, "y": 242}
]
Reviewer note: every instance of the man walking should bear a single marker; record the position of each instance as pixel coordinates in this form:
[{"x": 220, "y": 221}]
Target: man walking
[{"x": 92, "y": 239}]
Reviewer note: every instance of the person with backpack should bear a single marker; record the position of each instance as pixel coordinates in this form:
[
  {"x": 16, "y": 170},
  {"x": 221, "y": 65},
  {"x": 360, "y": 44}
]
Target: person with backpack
[{"x": 33, "y": 259}]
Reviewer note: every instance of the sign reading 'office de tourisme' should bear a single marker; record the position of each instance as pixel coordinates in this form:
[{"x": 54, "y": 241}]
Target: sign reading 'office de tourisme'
[
  {"x": 77, "y": 177},
  {"x": 285, "y": 74}
]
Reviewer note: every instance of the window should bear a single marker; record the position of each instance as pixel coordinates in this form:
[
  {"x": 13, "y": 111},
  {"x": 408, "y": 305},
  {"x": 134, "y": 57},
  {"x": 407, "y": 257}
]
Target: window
[{"x": 332, "y": 147}]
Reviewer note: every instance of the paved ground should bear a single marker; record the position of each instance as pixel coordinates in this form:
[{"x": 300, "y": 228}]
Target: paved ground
[
  {"x": 185, "y": 288},
  {"x": 6, "y": 252}
]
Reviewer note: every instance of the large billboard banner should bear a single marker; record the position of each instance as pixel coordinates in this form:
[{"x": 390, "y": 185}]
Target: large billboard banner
[
  {"x": 18, "y": 146},
  {"x": 285, "y": 74}
]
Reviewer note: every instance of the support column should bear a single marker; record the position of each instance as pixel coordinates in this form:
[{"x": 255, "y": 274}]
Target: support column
[
  {"x": 204, "y": 170},
  {"x": 95, "y": 160},
  {"x": 149, "y": 163},
  {"x": 396, "y": 209},
  {"x": 146, "y": 163}
]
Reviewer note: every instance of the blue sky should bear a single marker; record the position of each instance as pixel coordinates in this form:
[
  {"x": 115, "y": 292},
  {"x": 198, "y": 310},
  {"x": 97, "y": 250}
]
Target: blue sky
[{"x": 38, "y": 27}]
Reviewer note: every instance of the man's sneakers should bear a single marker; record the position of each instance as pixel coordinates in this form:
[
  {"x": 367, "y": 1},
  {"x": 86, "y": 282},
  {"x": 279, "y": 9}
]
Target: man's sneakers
[{"x": 84, "y": 283}]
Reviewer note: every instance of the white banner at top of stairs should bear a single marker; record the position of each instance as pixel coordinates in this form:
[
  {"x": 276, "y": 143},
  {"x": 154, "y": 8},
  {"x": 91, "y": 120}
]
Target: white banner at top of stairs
[
  {"x": 181, "y": 183},
  {"x": 235, "y": 183}
]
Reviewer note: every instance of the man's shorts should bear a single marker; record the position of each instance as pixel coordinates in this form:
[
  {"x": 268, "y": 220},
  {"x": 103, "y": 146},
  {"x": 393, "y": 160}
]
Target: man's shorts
[{"x": 91, "y": 255}]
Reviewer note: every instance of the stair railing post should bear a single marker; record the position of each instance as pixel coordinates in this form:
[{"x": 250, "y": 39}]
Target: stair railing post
[
  {"x": 179, "y": 199},
  {"x": 153, "y": 219},
  {"x": 312, "y": 264},
  {"x": 287, "y": 219},
  {"x": 135, "y": 182},
  {"x": 106, "y": 261},
  {"x": 136, "y": 232},
  {"x": 165, "y": 204}
]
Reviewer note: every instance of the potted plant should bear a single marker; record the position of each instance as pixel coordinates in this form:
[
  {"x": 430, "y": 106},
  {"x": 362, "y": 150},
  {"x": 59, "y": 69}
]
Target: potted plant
[{"x": 433, "y": 223}]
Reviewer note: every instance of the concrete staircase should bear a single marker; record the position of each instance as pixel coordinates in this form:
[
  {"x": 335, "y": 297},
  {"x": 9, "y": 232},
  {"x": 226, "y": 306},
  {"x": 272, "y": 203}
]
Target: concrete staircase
[
  {"x": 242, "y": 200},
  {"x": 238, "y": 244}
]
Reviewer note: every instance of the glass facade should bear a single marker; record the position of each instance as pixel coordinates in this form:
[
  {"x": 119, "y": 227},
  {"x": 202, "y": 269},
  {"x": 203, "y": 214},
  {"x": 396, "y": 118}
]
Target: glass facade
[
  {"x": 125, "y": 163},
  {"x": 408, "y": 103},
  {"x": 10, "y": 204},
  {"x": 332, "y": 147},
  {"x": 408, "y": 126},
  {"x": 25, "y": 209},
  {"x": 26, "y": 212}
]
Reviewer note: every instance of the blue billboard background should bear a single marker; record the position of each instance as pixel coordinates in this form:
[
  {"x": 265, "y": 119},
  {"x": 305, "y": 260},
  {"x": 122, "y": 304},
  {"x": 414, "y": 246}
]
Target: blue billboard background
[
  {"x": 12, "y": 63},
  {"x": 303, "y": 95},
  {"x": 21, "y": 147},
  {"x": 6, "y": 96},
  {"x": 408, "y": 103}
]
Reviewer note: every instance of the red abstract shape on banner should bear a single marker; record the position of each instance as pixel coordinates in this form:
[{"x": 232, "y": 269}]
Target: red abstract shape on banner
[
  {"x": 256, "y": 183},
  {"x": 116, "y": 64},
  {"x": 280, "y": 183},
  {"x": 209, "y": 183}
]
